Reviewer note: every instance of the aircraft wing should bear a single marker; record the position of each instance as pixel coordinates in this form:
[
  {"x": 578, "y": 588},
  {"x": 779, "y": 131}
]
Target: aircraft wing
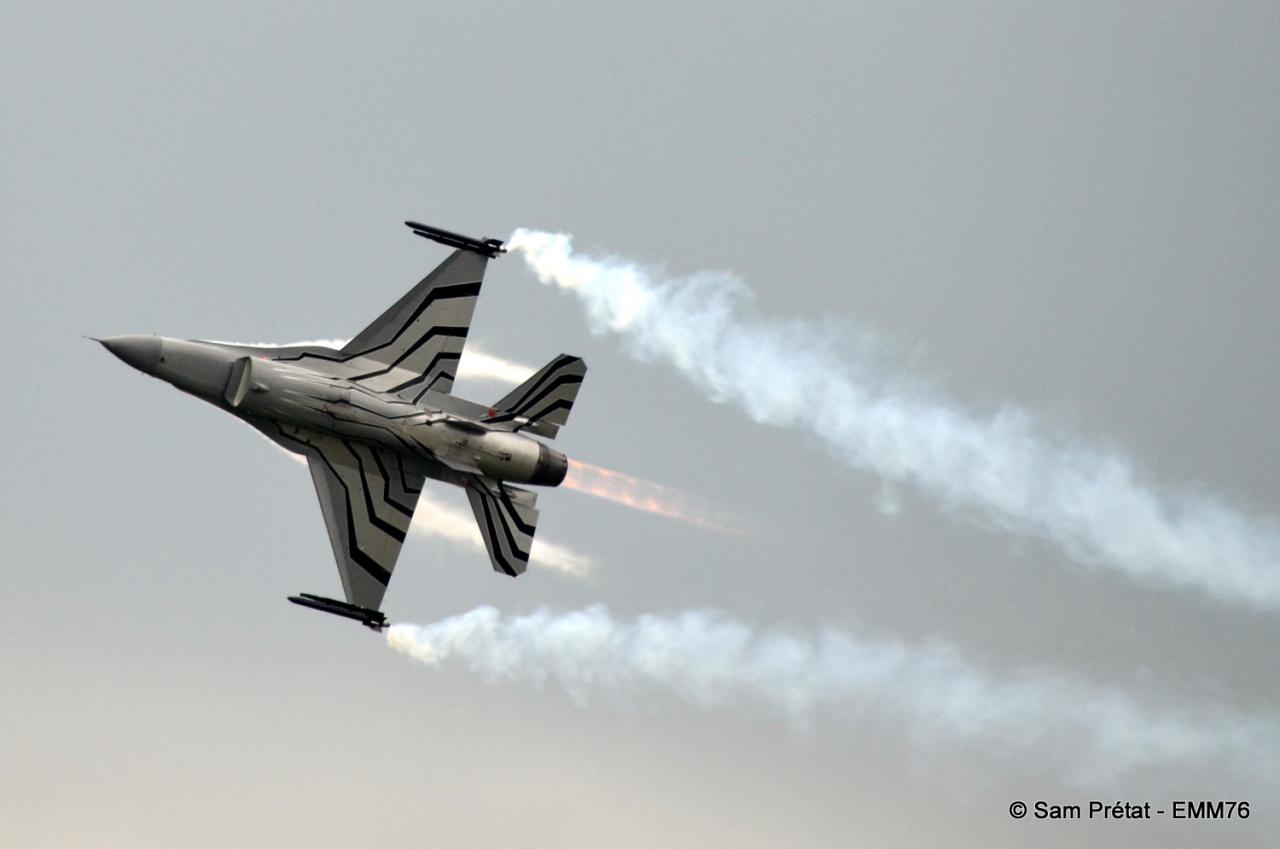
[
  {"x": 415, "y": 345},
  {"x": 367, "y": 498}
]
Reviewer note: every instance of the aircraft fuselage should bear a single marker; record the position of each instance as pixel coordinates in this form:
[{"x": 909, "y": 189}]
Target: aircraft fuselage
[{"x": 442, "y": 431}]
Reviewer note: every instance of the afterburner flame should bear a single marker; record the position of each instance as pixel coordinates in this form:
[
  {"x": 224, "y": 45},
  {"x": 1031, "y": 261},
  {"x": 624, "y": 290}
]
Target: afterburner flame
[{"x": 647, "y": 496}]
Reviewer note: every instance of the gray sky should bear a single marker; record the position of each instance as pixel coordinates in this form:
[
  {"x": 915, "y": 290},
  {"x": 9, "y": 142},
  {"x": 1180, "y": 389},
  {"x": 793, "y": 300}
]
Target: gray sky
[{"x": 1074, "y": 210}]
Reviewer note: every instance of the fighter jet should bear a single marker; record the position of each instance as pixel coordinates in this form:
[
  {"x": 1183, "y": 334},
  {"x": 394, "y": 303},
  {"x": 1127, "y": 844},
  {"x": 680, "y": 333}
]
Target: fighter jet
[{"x": 377, "y": 418}]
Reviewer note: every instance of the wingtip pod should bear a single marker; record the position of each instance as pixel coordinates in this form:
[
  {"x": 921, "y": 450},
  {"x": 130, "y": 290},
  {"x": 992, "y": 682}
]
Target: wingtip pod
[
  {"x": 485, "y": 247},
  {"x": 374, "y": 619}
]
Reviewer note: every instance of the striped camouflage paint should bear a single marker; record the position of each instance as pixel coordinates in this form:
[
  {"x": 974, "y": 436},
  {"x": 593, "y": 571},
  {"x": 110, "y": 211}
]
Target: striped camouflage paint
[
  {"x": 542, "y": 403},
  {"x": 415, "y": 345},
  {"x": 508, "y": 519},
  {"x": 368, "y": 499}
]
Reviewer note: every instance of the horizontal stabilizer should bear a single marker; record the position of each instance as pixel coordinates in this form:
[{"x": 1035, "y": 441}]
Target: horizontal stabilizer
[{"x": 508, "y": 519}]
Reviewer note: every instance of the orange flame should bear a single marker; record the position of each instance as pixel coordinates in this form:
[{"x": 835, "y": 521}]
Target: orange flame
[{"x": 647, "y": 496}]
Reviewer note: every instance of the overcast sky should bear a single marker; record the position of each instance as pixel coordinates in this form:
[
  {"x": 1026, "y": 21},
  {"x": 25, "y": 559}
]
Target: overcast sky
[{"x": 1071, "y": 210}]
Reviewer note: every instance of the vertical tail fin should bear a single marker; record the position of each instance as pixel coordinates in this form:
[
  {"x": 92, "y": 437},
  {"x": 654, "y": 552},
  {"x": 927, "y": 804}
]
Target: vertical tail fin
[{"x": 542, "y": 403}]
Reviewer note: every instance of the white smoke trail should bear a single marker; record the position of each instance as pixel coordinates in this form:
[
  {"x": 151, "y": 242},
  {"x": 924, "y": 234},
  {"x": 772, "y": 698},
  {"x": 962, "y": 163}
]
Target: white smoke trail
[
  {"x": 478, "y": 364},
  {"x": 711, "y": 661},
  {"x": 436, "y": 519},
  {"x": 1021, "y": 479}
]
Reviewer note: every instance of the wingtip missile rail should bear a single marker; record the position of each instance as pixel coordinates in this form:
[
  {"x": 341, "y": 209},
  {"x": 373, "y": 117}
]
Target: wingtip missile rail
[
  {"x": 375, "y": 619},
  {"x": 485, "y": 247}
]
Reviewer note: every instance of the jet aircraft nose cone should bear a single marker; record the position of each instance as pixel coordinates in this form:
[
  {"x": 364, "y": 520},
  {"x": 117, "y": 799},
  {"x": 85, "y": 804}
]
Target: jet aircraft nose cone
[{"x": 141, "y": 352}]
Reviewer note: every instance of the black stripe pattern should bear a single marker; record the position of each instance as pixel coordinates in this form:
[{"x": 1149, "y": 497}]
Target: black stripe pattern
[
  {"x": 508, "y": 519},
  {"x": 368, "y": 499},
  {"x": 542, "y": 403},
  {"x": 415, "y": 345}
]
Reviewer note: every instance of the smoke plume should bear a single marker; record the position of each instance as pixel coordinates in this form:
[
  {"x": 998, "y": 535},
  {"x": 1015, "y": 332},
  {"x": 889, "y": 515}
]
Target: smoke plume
[
  {"x": 478, "y": 364},
  {"x": 930, "y": 693},
  {"x": 1003, "y": 467}
]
